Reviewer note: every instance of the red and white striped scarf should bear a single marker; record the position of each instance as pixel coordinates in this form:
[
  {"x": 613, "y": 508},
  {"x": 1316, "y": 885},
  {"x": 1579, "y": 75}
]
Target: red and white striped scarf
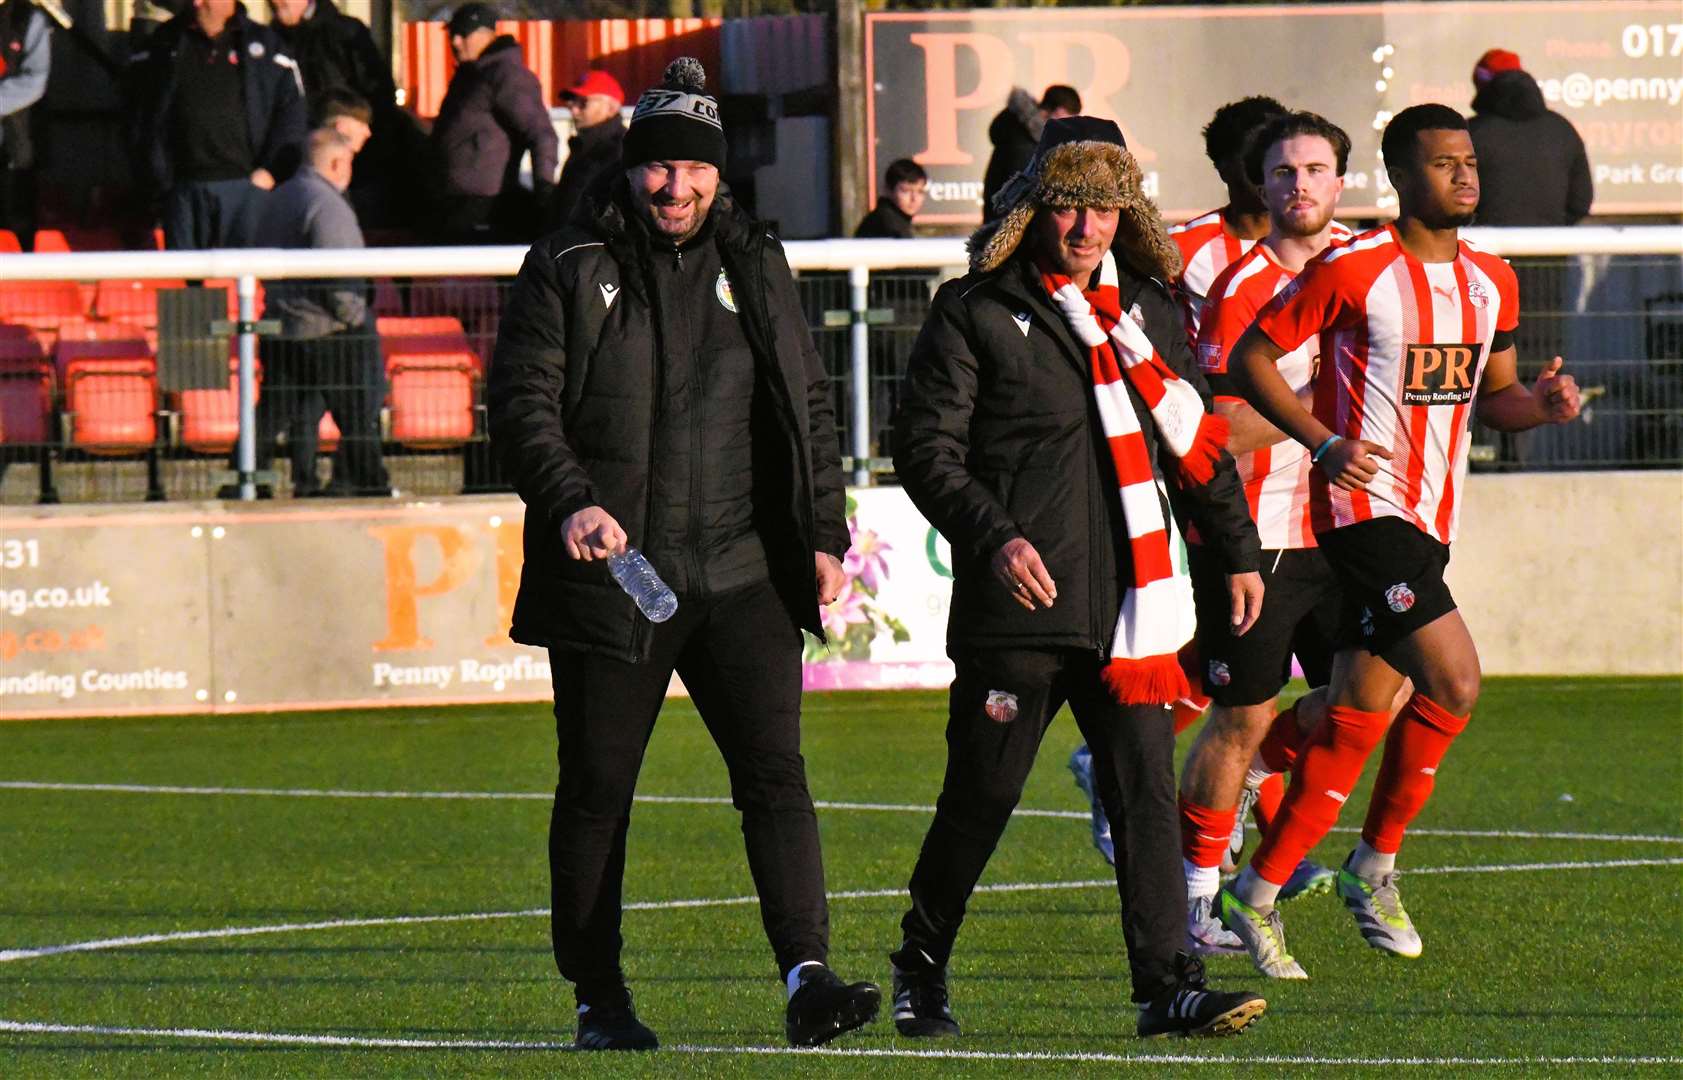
[{"x": 1157, "y": 615}]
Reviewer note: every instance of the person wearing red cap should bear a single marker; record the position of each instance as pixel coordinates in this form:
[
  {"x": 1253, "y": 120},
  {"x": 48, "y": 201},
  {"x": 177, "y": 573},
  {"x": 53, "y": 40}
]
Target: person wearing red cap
[
  {"x": 594, "y": 149},
  {"x": 1532, "y": 167}
]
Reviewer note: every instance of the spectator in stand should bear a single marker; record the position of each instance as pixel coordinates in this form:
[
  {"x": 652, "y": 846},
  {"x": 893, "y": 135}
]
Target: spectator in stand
[
  {"x": 1016, "y": 131},
  {"x": 346, "y": 113},
  {"x": 25, "y": 59},
  {"x": 338, "y": 57},
  {"x": 595, "y": 102},
  {"x": 219, "y": 114},
  {"x": 492, "y": 114},
  {"x": 905, "y": 186},
  {"x": 327, "y": 353},
  {"x": 1532, "y": 167}
]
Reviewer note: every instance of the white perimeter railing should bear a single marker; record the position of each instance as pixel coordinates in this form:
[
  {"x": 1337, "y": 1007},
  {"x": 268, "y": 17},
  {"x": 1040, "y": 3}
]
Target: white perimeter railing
[{"x": 857, "y": 257}]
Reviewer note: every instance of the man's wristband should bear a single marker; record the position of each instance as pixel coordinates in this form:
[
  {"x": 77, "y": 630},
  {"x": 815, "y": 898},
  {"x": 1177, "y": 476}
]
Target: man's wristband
[{"x": 1331, "y": 440}]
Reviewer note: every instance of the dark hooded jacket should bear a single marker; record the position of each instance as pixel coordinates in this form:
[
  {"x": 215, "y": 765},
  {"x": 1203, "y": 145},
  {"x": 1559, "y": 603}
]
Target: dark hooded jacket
[
  {"x": 587, "y": 402},
  {"x": 492, "y": 113},
  {"x": 1532, "y": 167},
  {"x": 1014, "y": 133},
  {"x": 337, "y": 52},
  {"x": 273, "y": 86}
]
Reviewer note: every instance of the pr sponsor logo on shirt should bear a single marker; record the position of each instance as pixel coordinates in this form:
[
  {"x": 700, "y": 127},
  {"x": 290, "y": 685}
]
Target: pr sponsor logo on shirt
[{"x": 1439, "y": 374}]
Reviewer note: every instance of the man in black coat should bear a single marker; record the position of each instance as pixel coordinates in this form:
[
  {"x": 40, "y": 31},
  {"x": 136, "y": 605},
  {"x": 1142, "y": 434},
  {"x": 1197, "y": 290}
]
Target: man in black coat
[
  {"x": 1056, "y": 431},
  {"x": 595, "y": 101},
  {"x": 1532, "y": 166},
  {"x": 655, "y": 385},
  {"x": 339, "y": 58},
  {"x": 491, "y": 115},
  {"x": 1015, "y": 131},
  {"x": 219, "y": 117}
]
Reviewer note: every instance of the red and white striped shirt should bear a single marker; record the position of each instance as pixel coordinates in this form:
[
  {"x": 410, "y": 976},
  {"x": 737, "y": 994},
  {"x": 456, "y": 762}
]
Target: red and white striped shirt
[
  {"x": 1275, "y": 478},
  {"x": 1403, "y": 347},
  {"x": 1207, "y": 247}
]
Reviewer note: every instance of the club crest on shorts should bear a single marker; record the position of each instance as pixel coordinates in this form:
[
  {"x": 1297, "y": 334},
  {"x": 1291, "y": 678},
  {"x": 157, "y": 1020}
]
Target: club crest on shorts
[
  {"x": 1476, "y": 295},
  {"x": 727, "y": 296},
  {"x": 1400, "y": 597},
  {"x": 1001, "y": 706},
  {"x": 1220, "y": 673}
]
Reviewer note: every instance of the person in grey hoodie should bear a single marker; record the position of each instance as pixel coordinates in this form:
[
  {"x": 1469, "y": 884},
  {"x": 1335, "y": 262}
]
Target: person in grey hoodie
[
  {"x": 327, "y": 356},
  {"x": 492, "y": 114}
]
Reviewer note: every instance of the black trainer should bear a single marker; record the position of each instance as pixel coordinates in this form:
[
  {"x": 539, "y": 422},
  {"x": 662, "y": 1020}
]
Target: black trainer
[
  {"x": 920, "y": 1004},
  {"x": 1192, "y": 1008},
  {"x": 613, "y": 1027},
  {"x": 824, "y": 1007}
]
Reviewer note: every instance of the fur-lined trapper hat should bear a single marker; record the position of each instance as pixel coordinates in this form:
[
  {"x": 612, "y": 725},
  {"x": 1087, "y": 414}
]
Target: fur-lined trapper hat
[{"x": 1081, "y": 161}]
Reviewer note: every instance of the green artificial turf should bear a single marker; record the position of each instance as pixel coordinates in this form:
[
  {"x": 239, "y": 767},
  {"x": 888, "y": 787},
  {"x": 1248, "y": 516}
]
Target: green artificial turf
[{"x": 1520, "y": 965}]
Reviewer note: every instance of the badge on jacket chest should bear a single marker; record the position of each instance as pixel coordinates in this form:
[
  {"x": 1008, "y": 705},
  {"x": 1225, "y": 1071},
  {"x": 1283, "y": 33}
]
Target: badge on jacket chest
[{"x": 727, "y": 296}]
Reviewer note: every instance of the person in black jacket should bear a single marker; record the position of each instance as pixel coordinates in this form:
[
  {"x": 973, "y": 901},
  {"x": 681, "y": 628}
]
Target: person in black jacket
[
  {"x": 491, "y": 115},
  {"x": 219, "y": 118},
  {"x": 905, "y": 186},
  {"x": 1014, "y": 133},
  {"x": 595, "y": 148},
  {"x": 655, "y": 385},
  {"x": 338, "y": 57},
  {"x": 1059, "y": 440},
  {"x": 1532, "y": 166},
  {"x": 25, "y": 63}
]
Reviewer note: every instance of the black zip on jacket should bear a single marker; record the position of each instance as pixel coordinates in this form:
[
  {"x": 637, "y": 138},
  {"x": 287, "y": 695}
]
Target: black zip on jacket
[
  {"x": 573, "y": 398},
  {"x": 998, "y": 437}
]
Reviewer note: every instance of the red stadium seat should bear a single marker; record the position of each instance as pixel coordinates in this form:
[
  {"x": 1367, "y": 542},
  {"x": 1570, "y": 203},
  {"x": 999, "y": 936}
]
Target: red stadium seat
[
  {"x": 426, "y": 341},
  {"x": 43, "y": 305},
  {"x": 110, "y": 392},
  {"x": 210, "y": 419},
  {"x": 132, "y": 300},
  {"x": 431, "y": 406},
  {"x": 51, "y": 240},
  {"x": 9, "y": 243},
  {"x": 21, "y": 350}
]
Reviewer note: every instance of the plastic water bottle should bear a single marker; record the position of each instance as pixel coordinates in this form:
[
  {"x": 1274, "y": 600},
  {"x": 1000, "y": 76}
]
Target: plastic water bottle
[{"x": 653, "y": 596}]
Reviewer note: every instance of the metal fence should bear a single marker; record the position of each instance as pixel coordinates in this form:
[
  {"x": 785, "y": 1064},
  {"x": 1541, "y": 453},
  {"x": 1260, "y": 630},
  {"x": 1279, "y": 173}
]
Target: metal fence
[{"x": 139, "y": 375}]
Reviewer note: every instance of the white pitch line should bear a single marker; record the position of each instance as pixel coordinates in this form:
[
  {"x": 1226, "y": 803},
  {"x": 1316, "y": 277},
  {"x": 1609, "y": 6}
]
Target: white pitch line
[
  {"x": 712, "y": 800},
  {"x": 25, "y": 1027},
  {"x": 105, "y": 944}
]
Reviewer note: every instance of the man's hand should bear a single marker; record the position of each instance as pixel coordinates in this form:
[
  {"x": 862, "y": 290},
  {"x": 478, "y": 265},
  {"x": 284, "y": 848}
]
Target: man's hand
[
  {"x": 1556, "y": 394},
  {"x": 1018, "y": 567},
  {"x": 591, "y": 533},
  {"x": 1244, "y": 593},
  {"x": 830, "y": 577},
  {"x": 263, "y": 178},
  {"x": 1349, "y": 463}
]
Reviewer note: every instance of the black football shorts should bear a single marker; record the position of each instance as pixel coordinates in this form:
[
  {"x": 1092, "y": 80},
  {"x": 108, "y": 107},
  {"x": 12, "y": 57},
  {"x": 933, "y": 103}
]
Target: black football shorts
[
  {"x": 1392, "y": 575},
  {"x": 1302, "y": 613}
]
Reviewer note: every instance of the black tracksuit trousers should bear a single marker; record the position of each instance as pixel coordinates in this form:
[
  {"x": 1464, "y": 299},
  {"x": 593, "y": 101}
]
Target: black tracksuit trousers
[
  {"x": 739, "y": 655},
  {"x": 988, "y": 760}
]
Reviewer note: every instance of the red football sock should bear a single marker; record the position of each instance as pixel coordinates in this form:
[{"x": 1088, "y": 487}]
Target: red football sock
[
  {"x": 1269, "y": 795},
  {"x": 1204, "y": 832},
  {"x": 1328, "y": 766},
  {"x": 1418, "y": 740},
  {"x": 1279, "y": 746}
]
